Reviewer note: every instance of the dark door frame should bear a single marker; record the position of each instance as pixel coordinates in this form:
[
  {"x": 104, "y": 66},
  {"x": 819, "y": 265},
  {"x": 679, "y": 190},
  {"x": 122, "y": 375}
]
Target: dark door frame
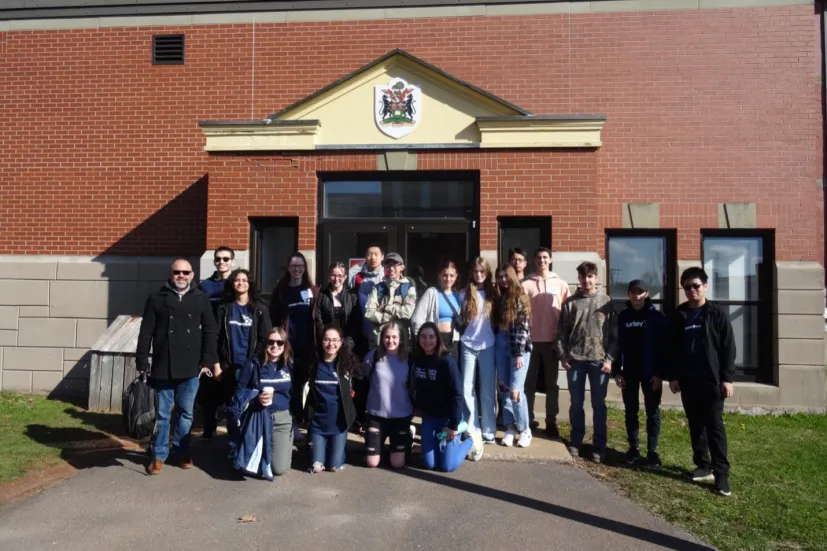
[
  {"x": 257, "y": 224},
  {"x": 324, "y": 225}
]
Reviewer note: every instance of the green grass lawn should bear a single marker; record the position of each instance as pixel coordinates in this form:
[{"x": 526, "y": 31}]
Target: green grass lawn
[
  {"x": 37, "y": 433},
  {"x": 778, "y": 478}
]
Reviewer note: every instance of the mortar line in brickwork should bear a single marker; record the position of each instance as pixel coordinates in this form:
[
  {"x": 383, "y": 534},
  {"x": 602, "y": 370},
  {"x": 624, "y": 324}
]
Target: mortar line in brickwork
[
  {"x": 569, "y": 62},
  {"x": 253, "y": 77}
]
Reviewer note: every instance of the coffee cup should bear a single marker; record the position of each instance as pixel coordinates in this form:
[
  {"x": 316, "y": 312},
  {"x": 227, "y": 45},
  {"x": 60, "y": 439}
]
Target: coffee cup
[{"x": 267, "y": 392}]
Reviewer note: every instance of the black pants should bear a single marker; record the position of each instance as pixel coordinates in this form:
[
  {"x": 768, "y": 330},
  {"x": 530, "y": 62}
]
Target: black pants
[
  {"x": 543, "y": 357},
  {"x": 704, "y": 408},
  {"x": 651, "y": 402},
  {"x": 300, "y": 376},
  {"x": 212, "y": 394}
]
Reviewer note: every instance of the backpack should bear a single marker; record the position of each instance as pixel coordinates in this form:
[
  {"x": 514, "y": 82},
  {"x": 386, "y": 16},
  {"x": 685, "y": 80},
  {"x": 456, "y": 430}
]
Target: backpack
[
  {"x": 139, "y": 408},
  {"x": 382, "y": 289}
]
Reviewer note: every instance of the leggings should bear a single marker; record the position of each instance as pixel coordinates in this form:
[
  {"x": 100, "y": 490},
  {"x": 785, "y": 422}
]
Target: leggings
[{"x": 444, "y": 455}]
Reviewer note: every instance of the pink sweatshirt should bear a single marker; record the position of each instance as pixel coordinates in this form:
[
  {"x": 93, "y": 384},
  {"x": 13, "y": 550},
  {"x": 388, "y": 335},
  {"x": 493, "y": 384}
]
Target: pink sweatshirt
[{"x": 547, "y": 297}]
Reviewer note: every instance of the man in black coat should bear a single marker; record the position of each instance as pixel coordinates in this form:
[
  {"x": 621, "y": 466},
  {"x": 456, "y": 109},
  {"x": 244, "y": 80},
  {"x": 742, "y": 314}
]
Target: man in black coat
[
  {"x": 179, "y": 328},
  {"x": 705, "y": 347}
]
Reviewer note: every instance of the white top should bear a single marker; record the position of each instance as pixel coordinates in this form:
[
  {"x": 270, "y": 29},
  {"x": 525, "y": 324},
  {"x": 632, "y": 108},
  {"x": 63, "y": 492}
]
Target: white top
[{"x": 479, "y": 334}]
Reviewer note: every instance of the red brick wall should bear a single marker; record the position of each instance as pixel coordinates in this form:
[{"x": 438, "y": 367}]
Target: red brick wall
[
  {"x": 511, "y": 182},
  {"x": 704, "y": 106}
]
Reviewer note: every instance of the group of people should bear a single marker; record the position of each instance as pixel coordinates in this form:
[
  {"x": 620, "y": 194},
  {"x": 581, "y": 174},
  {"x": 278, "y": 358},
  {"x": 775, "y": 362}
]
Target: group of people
[{"x": 368, "y": 353}]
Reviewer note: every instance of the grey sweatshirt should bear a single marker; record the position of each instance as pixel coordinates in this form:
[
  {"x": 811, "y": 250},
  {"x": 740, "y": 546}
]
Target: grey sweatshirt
[{"x": 588, "y": 331}]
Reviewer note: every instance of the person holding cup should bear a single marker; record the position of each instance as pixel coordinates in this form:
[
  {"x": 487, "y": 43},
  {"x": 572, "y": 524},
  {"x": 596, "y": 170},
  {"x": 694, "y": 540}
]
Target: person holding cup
[{"x": 271, "y": 375}]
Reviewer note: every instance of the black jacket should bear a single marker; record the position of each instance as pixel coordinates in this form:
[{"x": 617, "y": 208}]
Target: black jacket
[
  {"x": 438, "y": 388},
  {"x": 655, "y": 343},
  {"x": 258, "y": 332},
  {"x": 180, "y": 331},
  {"x": 323, "y": 315},
  {"x": 718, "y": 342},
  {"x": 345, "y": 392}
]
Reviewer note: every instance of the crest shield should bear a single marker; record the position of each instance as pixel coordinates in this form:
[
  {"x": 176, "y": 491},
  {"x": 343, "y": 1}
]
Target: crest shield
[{"x": 397, "y": 107}]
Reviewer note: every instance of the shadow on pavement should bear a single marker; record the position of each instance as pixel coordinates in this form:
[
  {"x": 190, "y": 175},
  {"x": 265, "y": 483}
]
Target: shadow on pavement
[
  {"x": 82, "y": 448},
  {"x": 643, "y": 534}
]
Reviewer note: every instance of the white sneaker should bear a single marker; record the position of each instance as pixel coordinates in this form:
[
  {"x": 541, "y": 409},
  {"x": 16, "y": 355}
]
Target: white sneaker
[
  {"x": 297, "y": 435},
  {"x": 475, "y": 454},
  {"x": 525, "y": 439},
  {"x": 508, "y": 439},
  {"x": 413, "y": 432}
]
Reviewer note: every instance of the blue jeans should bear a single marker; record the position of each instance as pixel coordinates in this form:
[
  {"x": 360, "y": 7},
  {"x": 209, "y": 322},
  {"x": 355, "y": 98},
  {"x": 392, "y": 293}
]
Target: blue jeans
[
  {"x": 471, "y": 360},
  {"x": 181, "y": 393},
  {"x": 445, "y": 455},
  {"x": 598, "y": 383},
  {"x": 327, "y": 450},
  {"x": 511, "y": 380}
]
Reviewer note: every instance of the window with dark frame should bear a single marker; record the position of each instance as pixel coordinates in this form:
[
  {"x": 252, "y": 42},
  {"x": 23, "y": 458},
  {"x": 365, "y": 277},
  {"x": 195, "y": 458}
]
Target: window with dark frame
[
  {"x": 647, "y": 254},
  {"x": 272, "y": 241},
  {"x": 524, "y": 232},
  {"x": 739, "y": 265}
]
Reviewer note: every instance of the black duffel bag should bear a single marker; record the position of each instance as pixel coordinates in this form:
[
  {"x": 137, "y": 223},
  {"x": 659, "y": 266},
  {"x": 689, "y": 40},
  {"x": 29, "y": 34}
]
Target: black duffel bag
[{"x": 140, "y": 408}]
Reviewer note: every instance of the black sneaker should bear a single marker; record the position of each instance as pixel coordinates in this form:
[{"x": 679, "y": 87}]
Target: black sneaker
[
  {"x": 553, "y": 432},
  {"x": 722, "y": 485},
  {"x": 632, "y": 456},
  {"x": 653, "y": 460},
  {"x": 700, "y": 475},
  {"x": 534, "y": 425}
]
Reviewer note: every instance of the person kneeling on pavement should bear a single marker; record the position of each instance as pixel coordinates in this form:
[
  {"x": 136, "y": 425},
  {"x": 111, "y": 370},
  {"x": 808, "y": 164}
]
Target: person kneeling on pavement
[
  {"x": 439, "y": 399},
  {"x": 261, "y": 410},
  {"x": 642, "y": 337}
]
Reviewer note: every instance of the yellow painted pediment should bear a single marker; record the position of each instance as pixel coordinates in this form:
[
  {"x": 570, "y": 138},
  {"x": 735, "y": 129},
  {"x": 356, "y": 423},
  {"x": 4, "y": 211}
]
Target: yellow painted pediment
[{"x": 400, "y": 101}]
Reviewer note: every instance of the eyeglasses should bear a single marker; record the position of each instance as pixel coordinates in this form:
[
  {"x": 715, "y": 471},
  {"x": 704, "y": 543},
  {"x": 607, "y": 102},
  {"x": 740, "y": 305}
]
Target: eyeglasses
[
  {"x": 296, "y": 266},
  {"x": 222, "y": 259},
  {"x": 274, "y": 342},
  {"x": 181, "y": 272},
  {"x": 694, "y": 286},
  {"x": 519, "y": 260},
  {"x": 331, "y": 341}
]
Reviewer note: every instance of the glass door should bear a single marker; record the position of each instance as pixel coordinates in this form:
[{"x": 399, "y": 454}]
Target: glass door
[
  {"x": 347, "y": 243},
  {"x": 429, "y": 244}
]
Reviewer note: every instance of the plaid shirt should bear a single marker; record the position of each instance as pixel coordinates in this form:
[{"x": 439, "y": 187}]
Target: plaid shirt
[{"x": 519, "y": 335}]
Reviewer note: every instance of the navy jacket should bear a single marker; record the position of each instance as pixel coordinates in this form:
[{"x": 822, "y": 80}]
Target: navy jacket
[
  {"x": 655, "y": 343},
  {"x": 345, "y": 393},
  {"x": 438, "y": 388},
  {"x": 213, "y": 287},
  {"x": 255, "y": 434}
]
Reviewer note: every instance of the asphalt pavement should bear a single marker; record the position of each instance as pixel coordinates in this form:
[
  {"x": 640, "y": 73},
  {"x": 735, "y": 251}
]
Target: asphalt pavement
[{"x": 524, "y": 504}]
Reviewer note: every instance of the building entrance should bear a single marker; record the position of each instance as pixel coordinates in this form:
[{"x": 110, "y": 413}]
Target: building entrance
[{"x": 428, "y": 219}]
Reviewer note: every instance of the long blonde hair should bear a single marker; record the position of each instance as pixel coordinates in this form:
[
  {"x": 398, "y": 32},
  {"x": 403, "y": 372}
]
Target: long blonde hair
[
  {"x": 470, "y": 305},
  {"x": 509, "y": 299}
]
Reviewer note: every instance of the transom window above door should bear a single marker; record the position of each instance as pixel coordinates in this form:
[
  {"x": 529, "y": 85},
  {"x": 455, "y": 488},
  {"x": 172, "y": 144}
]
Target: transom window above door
[{"x": 398, "y": 198}]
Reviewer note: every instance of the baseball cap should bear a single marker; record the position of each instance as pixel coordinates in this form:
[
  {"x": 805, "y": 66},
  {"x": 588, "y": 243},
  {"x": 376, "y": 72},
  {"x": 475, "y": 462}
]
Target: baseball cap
[
  {"x": 640, "y": 284},
  {"x": 393, "y": 257}
]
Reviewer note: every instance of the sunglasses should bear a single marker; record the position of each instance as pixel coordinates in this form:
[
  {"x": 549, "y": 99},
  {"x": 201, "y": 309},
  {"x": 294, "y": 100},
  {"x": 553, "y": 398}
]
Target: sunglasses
[
  {"x": 694, "y": 286},
  {"x": 181, "y": 272},
  {"x": 274, "y": 342},
  {"x": 222, "y": 259}
]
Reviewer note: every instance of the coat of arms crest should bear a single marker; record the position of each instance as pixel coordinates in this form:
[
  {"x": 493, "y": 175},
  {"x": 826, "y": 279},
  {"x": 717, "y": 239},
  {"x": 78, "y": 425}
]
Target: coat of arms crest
[{"x": 398, "y": 107}]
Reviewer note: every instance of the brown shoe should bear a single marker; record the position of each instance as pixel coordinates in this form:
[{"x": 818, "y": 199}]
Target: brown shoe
[
  {"x": 185, "y": 463},
  {"x": 155, "y": 466}
]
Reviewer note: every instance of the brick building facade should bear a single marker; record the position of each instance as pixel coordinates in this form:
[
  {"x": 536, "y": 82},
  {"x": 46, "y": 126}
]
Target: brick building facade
[{"x": 702, "y": 130}]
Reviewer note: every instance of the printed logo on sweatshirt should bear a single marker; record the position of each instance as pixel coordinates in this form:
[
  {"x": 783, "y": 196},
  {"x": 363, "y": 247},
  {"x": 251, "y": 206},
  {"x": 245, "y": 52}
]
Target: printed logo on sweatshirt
[
  {"x": 246, "y": 321},
  {"x": 692, "y": 327},
  {"x": 420, "y": 372},
  {"x": 631, "y": 324}
]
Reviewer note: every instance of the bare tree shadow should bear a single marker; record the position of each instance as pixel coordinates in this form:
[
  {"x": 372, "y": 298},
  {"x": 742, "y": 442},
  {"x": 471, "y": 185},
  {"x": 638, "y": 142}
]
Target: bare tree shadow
[{"x": 618, "y": 527}]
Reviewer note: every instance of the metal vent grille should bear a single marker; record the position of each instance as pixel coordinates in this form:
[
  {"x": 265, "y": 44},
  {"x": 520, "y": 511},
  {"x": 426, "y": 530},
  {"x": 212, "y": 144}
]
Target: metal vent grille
[{"x": 168, "y": 49}]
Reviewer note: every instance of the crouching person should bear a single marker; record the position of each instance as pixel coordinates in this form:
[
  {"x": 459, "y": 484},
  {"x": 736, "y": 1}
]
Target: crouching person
[
  {"x": 439, "y": 398},
  {"x": 261, "y": 410},
  {"x": 330, "y": 410}
]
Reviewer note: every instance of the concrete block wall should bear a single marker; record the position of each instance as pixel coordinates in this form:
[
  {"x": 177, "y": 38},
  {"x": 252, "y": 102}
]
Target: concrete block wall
[{"x": 53, "y": 309}]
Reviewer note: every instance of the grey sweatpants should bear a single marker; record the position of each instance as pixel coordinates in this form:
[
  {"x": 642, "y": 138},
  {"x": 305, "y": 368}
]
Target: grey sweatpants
[{"x": 282, "y": 451}]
